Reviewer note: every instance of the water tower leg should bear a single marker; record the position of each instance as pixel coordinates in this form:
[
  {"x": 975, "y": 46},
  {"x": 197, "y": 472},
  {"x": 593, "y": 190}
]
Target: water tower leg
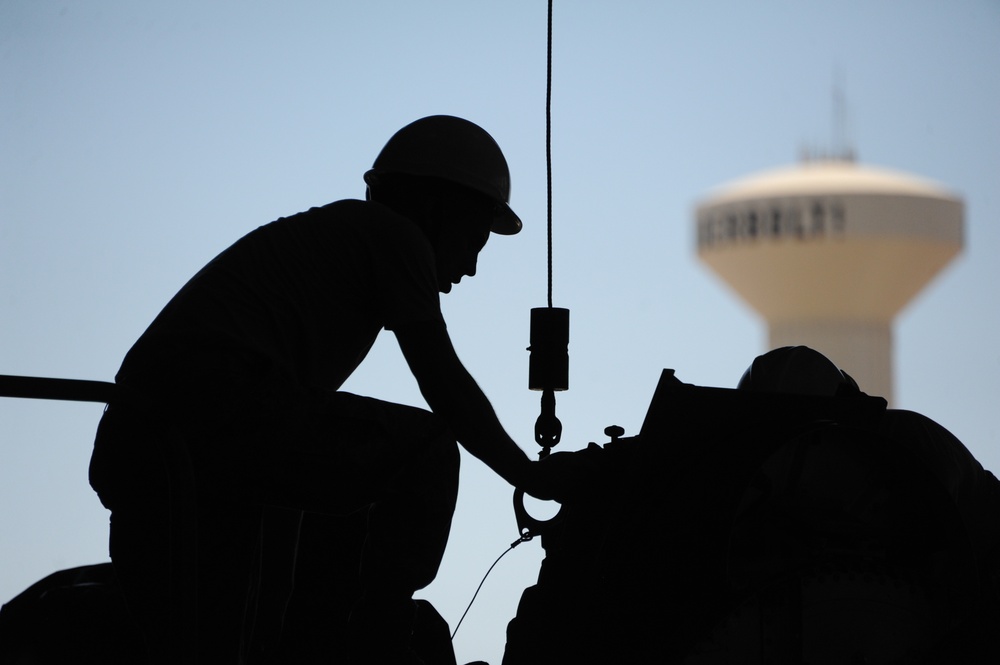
[{"x": 863, "y": 349}]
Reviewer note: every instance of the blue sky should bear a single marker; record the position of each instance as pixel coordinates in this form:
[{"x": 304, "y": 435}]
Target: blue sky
[{"x": 137, "y": 140}]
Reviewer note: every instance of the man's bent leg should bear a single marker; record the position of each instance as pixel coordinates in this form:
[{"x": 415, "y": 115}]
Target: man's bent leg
[
  {"x": 408, "y": 528},
  {"x": 401, "y": 461},
  {"x": 409, "y": 524}
]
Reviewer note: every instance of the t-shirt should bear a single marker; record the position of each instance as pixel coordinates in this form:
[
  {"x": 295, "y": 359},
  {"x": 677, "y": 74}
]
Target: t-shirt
[{"x": 307, "y": 293}]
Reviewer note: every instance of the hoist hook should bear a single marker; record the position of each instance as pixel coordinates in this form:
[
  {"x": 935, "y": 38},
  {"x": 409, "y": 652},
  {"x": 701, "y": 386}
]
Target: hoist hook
[{"x": 548, "y": 429}]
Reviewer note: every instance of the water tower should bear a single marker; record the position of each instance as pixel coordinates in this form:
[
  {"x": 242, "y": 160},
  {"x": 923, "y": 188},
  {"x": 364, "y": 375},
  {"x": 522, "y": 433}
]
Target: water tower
[{"x": 829, "y": 252}]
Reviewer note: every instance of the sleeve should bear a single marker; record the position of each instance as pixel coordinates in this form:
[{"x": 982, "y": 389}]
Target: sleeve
[{"x": 404, "y": 273}]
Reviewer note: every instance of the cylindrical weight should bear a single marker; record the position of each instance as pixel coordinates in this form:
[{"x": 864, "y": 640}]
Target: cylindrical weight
[{"x": 548, "y": 364}]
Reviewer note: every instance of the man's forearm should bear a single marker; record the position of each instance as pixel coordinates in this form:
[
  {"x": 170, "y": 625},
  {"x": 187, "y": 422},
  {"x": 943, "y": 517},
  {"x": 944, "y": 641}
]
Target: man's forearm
[
  {"x": 453, "y": 394},
  {"x": 474, "y": 423}
]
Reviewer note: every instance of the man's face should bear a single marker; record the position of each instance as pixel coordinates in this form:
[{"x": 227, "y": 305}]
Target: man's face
[
  {"x": 463, "y": 228},
  {"x": 457, "y": 248}
]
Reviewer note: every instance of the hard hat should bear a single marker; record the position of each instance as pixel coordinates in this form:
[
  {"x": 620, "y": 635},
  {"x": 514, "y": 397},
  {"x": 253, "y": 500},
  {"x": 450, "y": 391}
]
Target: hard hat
[
  {"x": 456, "y": 150},
  {"x": 799, "y": 370}
]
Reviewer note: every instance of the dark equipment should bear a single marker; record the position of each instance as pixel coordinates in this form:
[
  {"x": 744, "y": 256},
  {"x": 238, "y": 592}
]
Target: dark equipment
[
  {"x": 736, "y": 527},
  {"x": 751, "y": 528}
]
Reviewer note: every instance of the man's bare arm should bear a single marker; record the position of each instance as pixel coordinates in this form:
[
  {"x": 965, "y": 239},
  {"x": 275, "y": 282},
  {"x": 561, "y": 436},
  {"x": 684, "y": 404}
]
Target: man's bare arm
[{"x": 453, "y": 394}]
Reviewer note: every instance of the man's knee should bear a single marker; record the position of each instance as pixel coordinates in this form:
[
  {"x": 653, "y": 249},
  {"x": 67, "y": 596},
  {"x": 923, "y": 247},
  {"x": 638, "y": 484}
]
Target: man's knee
[
  {"x": 443, "y": 445},
  {"x": 439, "y": 460},
  {"x": 418, "y": 431}
]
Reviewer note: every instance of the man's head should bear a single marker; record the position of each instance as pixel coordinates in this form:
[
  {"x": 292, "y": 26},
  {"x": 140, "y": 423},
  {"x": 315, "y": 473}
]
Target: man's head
[
  {"x": 457, "y": 151},
  {"x": 449, "y": 176},
  {"x": 455, "y": 219}
]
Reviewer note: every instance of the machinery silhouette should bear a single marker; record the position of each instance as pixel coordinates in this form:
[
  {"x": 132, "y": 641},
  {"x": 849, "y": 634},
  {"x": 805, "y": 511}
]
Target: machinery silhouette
[
  {"x": 736, "y": 527},
  {"x": 742, "y": 527}
]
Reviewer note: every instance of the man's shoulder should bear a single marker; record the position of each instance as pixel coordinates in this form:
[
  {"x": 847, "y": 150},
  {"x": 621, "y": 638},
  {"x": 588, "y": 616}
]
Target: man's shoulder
[
  {"x": 366, "y": 225},
  {"x": 361, "y": 211},
  {"x": 352, "y": 217}
]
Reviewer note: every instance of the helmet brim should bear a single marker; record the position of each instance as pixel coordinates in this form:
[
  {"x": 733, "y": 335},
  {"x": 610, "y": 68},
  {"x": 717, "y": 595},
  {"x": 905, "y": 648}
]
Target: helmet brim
[{"x": 507, "y": 223}]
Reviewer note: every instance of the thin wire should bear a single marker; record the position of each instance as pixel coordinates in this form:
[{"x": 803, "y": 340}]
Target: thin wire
[
  {"x": 523, "y": 539},
  {"x": 548, "y": 145}
]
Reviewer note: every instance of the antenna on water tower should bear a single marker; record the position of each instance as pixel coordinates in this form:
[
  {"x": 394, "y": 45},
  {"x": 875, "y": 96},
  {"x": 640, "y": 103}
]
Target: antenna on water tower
[{"x": 841, "y": 148}]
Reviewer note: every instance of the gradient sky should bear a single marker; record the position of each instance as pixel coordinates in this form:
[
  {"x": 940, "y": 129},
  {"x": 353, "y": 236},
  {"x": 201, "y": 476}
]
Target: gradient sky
[{"x": 137, "y": 140}]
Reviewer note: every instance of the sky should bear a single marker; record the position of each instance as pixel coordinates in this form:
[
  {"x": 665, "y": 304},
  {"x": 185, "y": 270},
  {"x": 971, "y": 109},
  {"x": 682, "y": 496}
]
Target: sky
[{"x": 137, "y": 140}]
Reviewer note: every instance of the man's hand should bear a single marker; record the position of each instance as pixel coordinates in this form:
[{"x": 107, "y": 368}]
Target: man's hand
[{"x": 564, "y": 477}]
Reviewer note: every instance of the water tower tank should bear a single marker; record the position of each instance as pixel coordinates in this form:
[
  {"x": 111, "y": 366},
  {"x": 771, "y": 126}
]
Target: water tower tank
[{"x": 829, "y": 252}]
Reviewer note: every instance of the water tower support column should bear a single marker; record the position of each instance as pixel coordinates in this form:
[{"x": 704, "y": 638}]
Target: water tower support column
[{"x": 863, "y": 349}]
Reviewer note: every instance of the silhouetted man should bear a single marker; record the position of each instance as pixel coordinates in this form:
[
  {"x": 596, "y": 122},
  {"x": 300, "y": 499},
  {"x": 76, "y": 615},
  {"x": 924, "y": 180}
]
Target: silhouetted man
[{"x": 243, "y": 367}]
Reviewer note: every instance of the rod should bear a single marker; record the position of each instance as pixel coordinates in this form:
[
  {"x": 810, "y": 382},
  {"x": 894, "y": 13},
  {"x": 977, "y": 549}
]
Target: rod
[{"x": 72, "y": 390}]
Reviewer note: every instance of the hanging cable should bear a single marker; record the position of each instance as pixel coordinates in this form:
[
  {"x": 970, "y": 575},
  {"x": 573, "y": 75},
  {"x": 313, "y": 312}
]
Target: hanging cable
[{"x": 548, "y": 146}]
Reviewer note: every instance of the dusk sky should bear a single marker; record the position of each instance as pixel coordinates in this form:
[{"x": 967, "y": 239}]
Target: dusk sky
[{"x": 137, "y": 140}]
